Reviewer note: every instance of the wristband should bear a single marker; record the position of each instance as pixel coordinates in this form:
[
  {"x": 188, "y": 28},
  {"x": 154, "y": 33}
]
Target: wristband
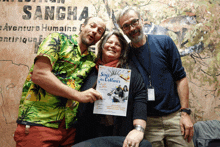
[
  {"x": 139, "y": 128},
  {"x": 187, "y": 110}
]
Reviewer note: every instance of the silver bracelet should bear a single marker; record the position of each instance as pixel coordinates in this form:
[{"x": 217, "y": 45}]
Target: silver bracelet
[{"x": 139, "y": 128}]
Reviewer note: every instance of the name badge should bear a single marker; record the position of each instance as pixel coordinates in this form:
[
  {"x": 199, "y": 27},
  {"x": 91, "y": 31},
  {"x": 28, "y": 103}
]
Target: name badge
[{"x": 151, "y": 95}]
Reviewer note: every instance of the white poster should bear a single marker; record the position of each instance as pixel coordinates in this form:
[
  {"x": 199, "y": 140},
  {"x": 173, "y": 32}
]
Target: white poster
[{"x": 113, "y": 84}]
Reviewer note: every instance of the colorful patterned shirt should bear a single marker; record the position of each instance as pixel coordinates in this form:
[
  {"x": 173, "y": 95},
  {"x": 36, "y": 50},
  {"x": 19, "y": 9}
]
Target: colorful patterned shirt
[{"x": 38, "y": 107}]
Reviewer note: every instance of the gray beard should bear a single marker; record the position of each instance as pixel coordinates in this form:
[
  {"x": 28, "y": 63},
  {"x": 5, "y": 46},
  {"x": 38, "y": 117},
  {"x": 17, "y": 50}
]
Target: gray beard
[{"x": 138, "y": 38}]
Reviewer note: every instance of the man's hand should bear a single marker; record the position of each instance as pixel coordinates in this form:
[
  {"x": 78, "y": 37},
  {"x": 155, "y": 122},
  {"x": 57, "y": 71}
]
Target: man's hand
[
  {"x": 43, "y": 77},
  {"x": 133, "y": 138},
  {"x": 89, "y": 95},
  {"x": 186, "y": 126}
]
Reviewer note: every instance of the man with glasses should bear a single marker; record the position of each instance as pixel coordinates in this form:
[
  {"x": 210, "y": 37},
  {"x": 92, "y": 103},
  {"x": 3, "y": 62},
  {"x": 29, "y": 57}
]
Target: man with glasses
[
  {"x": 158, "y": 60},
  {"x": 50, "y": 95}
]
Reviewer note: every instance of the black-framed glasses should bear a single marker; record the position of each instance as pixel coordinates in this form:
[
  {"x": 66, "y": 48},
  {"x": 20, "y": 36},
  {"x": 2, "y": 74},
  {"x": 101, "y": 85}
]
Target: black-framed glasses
[{"x": 133, "y": 23}]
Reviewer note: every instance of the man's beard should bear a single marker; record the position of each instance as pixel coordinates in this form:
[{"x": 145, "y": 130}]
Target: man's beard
[
  {"x": 85, "y": 42},
  {"x": 137, "y": 38}
]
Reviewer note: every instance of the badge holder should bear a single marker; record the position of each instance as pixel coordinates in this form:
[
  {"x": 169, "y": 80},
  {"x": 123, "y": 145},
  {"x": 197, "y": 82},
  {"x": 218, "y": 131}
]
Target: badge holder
[{"x": 151, "y": 92}]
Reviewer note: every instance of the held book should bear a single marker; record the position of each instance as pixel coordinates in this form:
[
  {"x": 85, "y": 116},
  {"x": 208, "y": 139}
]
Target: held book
[{"x": 113, "y": 84}]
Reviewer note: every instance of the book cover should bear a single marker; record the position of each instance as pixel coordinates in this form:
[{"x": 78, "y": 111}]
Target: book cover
[{"x": 113, "y": 83}]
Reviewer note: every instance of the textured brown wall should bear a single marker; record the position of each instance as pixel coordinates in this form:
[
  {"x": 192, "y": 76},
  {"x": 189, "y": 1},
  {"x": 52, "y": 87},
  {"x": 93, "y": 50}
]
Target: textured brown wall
[{"x": 18, "y": 47}]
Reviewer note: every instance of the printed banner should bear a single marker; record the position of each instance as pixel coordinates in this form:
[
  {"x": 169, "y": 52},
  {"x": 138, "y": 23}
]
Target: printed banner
[{"x": 26, "y": 23}]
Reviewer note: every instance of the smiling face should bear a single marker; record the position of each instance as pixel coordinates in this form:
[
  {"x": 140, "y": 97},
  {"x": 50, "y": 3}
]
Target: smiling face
[
  {"x": 92, "y": 31},
  {"x": 111, "y": 50},
  {"x": 135, "y": 33}
]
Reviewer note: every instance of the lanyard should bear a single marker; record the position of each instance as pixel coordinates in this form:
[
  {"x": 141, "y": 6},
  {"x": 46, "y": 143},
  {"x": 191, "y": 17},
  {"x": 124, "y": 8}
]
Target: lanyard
[{"x": 140, "y": 65}]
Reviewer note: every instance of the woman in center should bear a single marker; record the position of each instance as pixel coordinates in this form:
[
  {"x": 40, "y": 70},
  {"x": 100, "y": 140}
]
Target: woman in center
[{"x": 112, "y": 52}]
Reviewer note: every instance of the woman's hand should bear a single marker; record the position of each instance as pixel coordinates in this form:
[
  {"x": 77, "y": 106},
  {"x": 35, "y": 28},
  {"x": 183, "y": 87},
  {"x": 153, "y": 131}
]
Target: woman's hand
[{"x": 133, "y": 138}]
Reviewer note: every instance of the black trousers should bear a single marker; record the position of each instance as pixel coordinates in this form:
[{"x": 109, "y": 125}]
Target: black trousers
[{"x": 109, "y": 141}]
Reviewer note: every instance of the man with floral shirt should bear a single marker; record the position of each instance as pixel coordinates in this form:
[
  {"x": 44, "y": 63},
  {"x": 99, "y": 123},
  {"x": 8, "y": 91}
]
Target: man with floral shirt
[{"x": 51, "y": 95}]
